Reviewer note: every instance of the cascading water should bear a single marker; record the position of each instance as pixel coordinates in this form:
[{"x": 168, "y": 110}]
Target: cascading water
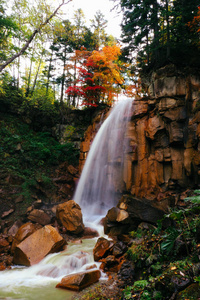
[
  {"x": 101, "y": 178},
  {"x": 39, "y": 281},
  {"x": 102, "y": 175}
]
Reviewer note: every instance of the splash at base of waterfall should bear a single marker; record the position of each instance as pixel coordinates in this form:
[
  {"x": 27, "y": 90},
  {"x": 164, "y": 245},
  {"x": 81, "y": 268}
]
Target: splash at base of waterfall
[
  {"x": 102, "y": 177},
  {"x": 39, "y": 281}
]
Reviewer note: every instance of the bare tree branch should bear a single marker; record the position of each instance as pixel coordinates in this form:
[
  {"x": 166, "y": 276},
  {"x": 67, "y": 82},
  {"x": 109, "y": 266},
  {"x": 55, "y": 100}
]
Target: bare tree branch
[{"x": 23, "y": 49}]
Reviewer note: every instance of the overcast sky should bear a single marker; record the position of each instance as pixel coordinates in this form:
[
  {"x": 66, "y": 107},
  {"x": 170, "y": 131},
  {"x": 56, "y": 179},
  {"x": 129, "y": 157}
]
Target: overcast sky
[{"x": 90, "y": 7}]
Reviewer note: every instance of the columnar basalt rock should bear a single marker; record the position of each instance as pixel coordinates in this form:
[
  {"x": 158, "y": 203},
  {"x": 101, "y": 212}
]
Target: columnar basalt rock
[
  {"x": 163, "y": 153},
  {"x": 89, "y": 136},
  {"x": 166, "y": 136}
]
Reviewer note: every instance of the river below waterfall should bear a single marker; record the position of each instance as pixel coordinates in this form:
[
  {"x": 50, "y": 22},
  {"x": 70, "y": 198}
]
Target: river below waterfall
[
  {"x": 39, "y": 281},
  {"x": 96, "y": 193}
]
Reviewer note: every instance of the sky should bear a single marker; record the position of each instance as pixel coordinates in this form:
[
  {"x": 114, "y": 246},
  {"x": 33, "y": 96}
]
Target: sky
[{"x": 90, "y": 7}]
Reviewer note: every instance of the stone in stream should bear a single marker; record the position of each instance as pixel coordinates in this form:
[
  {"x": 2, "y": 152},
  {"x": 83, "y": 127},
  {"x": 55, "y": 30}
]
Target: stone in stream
[
  {"x": 70, "y": 216},
  {"x": 102, "y": 248},
  {"x": 79, "y": 281},
  {"x": 38, "y": 245},
  {"x": 23, "y": 232}
]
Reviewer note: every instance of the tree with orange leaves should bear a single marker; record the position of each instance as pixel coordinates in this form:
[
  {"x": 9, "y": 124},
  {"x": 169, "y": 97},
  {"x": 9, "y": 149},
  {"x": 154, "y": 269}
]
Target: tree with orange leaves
[
  {"x": 100, "y": 76},
  {"x": 106, "y": 69},
  {"x": 195, "y": 26}
]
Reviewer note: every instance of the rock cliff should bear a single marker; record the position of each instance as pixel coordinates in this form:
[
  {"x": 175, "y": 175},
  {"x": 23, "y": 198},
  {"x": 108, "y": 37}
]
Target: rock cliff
[{"x": 163, "y": 153}]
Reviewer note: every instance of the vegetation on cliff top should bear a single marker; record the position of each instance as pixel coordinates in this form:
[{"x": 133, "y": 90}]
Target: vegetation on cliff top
[{"x": 156, "y": 33}]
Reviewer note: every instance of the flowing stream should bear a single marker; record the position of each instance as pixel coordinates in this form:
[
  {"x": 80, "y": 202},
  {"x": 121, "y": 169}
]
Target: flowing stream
[
  {"x": 39, "y": 281},
  {"x": 96, "y": 193}
]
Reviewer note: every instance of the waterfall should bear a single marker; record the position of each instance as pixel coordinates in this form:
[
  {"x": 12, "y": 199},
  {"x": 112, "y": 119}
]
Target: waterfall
[
  {"x": 102, "y": 175},
  {"x": 101, "y": 180}
]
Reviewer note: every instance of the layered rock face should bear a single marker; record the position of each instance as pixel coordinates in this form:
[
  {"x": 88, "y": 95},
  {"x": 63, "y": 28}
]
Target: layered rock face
[
  {"x": 163, "y": 153},
  {"x": 164, "y": 137}
]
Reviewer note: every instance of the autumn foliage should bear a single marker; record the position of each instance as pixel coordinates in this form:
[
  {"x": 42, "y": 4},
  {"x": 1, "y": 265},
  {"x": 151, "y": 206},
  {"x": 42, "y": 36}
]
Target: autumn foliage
[
  {"x": 195, "y": 25},
  {"x": 99, "y": 76}
]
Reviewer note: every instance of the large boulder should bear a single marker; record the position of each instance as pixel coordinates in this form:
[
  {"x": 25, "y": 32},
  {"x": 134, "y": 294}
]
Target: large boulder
[
  {"x": 79, "y": 281},
  {"x": 102, "y": 248},
  {"x": 23, "y": 232},
  {"x": 70, "y": 216},
  {"x": 131, "y": 211},
  {"x": 39, "y": 244}
]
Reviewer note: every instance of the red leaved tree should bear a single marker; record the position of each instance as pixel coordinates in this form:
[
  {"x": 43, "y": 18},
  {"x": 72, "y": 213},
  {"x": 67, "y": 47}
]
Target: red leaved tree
[{"x": 99, "y": 76}]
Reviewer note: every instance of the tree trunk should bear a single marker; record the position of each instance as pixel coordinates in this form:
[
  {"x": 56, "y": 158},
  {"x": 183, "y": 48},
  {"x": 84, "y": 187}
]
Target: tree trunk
[
  {"x": 156, "y": 29},
  {"x": 168, "y": 34},
  {"x": 36, "y": 76},
  {"x": 29, "y": 76},
  {"x": 49, "y": 72},
  {"x": 63, "y": 78},
  {"x": 27, "y": 44}
]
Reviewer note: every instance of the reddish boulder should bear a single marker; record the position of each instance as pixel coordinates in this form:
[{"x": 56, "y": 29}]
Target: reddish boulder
[
  {"x": 70, "y": 216},
  {"x": 110, "y": 264},
  {"x": 39, "y": 244},
  {"x": 23, "y": 232},
  {"x": 15, "y": 227},
  {"x": 102, "y": 248},
  {"x": 79, "y": 281}
]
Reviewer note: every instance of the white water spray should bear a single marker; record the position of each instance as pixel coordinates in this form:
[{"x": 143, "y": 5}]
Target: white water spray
[
  {"x": 39, "y": 281},
  {"x": 102, "y": 175}
]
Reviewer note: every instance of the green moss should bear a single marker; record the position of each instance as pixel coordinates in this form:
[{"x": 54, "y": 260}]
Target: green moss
[{"x": 192, "y": 292}]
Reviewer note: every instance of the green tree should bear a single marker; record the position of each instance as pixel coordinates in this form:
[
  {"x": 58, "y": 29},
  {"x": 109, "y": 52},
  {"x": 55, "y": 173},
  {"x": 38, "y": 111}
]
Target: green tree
[
  {"x": 7, "y": 29},
  {"x": 182, "y": 39},
  {"x": 45, "y": 17},
  {"x": 157, "y": 32},
  {"x": 98, "y": 25}
]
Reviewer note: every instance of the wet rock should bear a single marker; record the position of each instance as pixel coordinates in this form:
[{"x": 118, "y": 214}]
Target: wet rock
[
  {"x": 70, "y": 216},
  {"x": 23, "y": 232},
  {"x": 110, "y": 264},
  {"x": 40, "y": 217},
  {"x": 154, "y": 125},
  {"x": 39, "y": 244},
  {"x": 176, "y": 133},
  {"x": 72, "y": 170},
  {"x": 7, "y": 213},
  {"x": 118, "y": 215},
  {"x": 127, "y": 274},
  {"x": 116, "y": 229},
  {"x": 79, "y": 281},
  {"x": 2, "y": 266},
  {"x": 117, "y": 221},
  {"x": 15, "y": 227},
  {"x": 90, "y": 232},
  {"x": 102, "y": 248},
  {"x": 19, "y": 199},
  {"x": 119, "y": 249},
  {"x": 4, "y": 245},
  {"x": 142, "y": 210},
  {"x": 38, "y": 204}
]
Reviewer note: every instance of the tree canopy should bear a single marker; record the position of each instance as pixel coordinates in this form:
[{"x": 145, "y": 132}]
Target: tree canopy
[{"x": 157, "y": 32}]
